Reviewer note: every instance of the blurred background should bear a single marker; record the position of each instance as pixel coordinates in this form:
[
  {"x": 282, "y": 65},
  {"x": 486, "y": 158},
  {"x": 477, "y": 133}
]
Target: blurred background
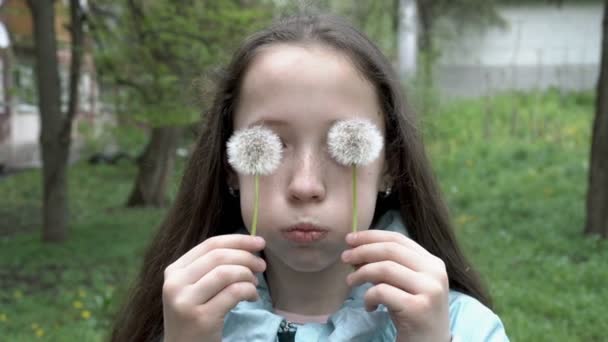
[{"x": 100, "y": 102}]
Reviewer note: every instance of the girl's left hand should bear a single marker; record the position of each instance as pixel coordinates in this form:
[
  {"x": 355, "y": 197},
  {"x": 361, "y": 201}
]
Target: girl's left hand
[{"x": 411, "y": 282}]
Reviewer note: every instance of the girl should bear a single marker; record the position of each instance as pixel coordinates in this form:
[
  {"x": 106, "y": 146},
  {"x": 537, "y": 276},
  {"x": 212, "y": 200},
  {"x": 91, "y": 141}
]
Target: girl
[{"x": 205, "y": 279}]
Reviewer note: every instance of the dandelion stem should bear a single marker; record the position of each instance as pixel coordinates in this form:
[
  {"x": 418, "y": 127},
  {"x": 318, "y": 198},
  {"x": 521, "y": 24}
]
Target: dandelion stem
[
  {"x": 355, "y": 206},
  {"x": 256, "y": 203}
]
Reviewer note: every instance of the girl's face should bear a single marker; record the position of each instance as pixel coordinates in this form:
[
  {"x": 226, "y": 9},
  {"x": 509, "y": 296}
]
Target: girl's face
[{"x": 299, "y": 91}]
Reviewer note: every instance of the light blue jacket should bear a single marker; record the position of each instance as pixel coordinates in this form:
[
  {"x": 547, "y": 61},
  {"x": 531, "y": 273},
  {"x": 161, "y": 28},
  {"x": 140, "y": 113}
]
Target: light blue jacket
[{"x": 256, "y": 322}]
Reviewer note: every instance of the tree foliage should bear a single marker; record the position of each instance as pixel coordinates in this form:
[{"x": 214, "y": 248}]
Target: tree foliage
[
  {"x": 154, "y": 51},
  {"x": 154, "y": 54}
]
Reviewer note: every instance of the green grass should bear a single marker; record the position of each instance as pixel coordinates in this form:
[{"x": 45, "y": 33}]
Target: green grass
[
  {"x": 67, "y": 292},
  {"x": 515, "y": 182},
  {"x": 517, "y": 196}
]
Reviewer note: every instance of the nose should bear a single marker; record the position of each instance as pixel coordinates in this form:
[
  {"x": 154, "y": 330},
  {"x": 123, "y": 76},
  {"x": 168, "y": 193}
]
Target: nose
[{"x": 306, "y": 182}]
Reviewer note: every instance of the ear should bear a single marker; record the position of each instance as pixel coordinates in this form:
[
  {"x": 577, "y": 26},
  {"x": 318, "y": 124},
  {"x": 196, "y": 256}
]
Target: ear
[
  {"x": 233, "y": 180},
  {"x": 386, "y": 180}
]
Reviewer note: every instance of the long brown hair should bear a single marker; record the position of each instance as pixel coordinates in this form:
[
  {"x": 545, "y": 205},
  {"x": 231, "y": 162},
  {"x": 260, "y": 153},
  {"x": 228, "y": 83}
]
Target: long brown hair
[{"x": 204, "y": 208}]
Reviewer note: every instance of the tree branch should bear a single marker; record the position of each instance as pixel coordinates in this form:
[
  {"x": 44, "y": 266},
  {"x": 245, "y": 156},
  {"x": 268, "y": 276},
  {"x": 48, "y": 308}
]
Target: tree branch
[{"x": 76, "y": 30}]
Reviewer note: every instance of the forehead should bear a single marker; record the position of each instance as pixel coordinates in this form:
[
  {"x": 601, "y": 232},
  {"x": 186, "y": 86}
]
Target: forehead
[{"x": 290, "y": 82}]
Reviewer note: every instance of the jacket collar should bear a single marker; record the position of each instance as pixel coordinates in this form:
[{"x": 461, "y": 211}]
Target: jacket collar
[{"x": 256, "y": 321}]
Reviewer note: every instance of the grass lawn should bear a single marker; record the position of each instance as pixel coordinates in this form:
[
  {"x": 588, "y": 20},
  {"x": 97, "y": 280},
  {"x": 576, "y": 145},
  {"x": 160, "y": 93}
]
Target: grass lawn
[{"x": 514, "y": 169}]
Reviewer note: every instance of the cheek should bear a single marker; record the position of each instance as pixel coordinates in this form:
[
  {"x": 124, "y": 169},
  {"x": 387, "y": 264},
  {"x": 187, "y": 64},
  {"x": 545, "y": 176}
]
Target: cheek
[
  {"x": 368, "y": 183},
  {"x": 371, "y": 176},
  {"x": 267, "y": 195},
  {"x": 367, "y": 208},
  {"x": 246, "y": 193},
  {"x": 368, "y": 187}
]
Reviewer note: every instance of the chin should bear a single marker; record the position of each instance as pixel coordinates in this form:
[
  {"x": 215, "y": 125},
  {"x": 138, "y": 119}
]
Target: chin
[
  {"x": 307, "y": 260},
  {"x": 308, "y": 267}
]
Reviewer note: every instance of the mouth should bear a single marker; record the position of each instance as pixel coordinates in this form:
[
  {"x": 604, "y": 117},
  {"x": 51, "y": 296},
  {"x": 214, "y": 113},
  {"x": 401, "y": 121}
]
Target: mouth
[{"x": 304, "y": 233}]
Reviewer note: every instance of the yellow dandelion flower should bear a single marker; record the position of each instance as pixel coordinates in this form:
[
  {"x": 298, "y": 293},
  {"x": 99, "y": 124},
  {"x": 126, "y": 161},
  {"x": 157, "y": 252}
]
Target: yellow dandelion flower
[
  {"x": 82, "y": 293},
  {"x": 77, "y": 304},
  {"x": 571, "y": 130},
  {"x": 464, "y": 219},
  {"x": 3, "y": 318},
  {"x": 40, "y": 332},
  {"x": 85, "y": 314}
]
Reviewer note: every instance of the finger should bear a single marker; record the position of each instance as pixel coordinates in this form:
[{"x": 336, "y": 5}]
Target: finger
[
  {"x": 373, "y": 235},
  {"x": 218, "y": 279},
  {"x": 379, "y": 251},
  {"x": 396, "y": 300},
  {"x": 392, "y": 273},
  {"x": 221, "y": 256},
  {"x": 234, "y": 241},
  {"x": 230, "y": 296}
]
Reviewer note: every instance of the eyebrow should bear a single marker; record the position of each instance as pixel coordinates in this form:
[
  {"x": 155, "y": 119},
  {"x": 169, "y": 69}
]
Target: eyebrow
[{"x": 268, "y": 122}]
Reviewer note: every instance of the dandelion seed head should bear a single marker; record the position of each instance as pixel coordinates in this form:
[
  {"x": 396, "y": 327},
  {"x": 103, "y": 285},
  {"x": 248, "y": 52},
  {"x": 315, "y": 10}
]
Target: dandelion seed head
[
  {"x": 255, "y": 150},
  {"x": 354, "y": 142}
]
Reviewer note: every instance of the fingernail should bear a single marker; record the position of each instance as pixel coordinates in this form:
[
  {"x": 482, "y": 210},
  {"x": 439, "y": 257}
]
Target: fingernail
[
  {"x": 346, "y": 255},
  {"x": 351, "y": 237}
]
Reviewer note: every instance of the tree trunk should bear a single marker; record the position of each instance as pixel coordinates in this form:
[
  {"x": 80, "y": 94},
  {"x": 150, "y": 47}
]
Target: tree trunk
[
  {"x": 155, "y": 168},
  {"x": 425, "y": 41},
  {"x": 55, "y": 128},
  {"x": 427, "y": 54},
  {"x": 597, "y": 193},
  {"x": 395, "y": 28}
]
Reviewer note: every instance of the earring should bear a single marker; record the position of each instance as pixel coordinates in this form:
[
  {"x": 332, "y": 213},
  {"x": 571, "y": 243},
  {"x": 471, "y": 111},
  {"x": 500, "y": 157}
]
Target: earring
[
  {"x": 233, "y": 192},
  {"x": 387, "y": 192}
]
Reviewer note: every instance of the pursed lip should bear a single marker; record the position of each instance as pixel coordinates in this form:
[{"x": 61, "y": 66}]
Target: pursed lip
[
  {"x": 304, "y": 233},
  {"x": 305, "y": 227}
]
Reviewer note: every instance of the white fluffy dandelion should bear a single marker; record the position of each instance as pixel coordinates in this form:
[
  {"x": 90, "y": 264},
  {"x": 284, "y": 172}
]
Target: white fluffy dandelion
[
  {"x": 254, "y": 151},
  {"x": 354, "y": 143}
]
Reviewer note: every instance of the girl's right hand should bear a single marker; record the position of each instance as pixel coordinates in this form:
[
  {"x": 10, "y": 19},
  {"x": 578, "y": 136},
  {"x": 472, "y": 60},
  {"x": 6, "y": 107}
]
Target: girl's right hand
[{"x": 203, "y": 285}]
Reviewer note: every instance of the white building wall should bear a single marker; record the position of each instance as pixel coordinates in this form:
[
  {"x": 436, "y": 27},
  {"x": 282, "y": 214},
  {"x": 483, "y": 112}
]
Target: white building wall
[
  {"x": 21, "y": 148},
  {"x": 542, "y": 46},
  {"x": 408, "y": 44},
  {"x": 25, "y": 128}
]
